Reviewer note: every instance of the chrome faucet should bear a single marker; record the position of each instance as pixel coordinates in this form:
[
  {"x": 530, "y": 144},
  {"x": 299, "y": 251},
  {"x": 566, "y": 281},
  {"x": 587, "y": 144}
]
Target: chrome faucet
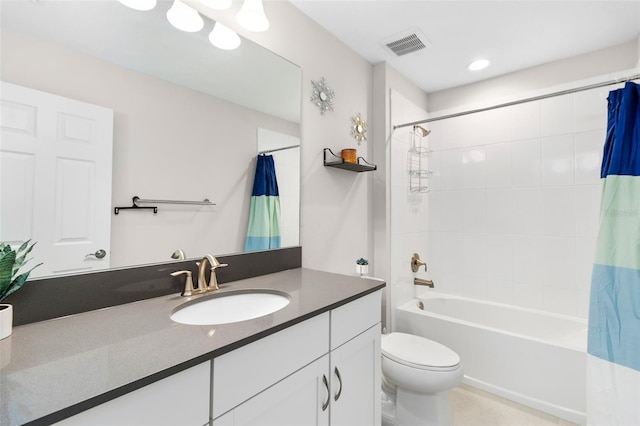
[{"x": 203, "y": 286}]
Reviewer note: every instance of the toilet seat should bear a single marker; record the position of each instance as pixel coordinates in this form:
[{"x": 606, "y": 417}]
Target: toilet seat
[{"x": 418, "y": 352}]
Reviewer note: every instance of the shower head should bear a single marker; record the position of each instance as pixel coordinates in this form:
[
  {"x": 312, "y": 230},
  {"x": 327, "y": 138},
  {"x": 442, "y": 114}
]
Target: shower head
[{"x": 424, "y": 131}]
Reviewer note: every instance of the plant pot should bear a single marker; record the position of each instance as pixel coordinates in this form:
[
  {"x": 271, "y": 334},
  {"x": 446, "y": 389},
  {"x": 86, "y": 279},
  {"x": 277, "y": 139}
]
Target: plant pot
[
  {"x": 6, "y": 320},
  {"x": 362, "y": 269}
]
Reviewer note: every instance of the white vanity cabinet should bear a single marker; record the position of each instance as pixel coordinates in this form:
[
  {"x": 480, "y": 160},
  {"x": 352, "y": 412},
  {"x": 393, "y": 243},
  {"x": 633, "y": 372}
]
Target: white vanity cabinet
[
  {"x": 324, "y": 370},
  {"x": 180, "y": 399},
  {"x": 331, "y": 366}
]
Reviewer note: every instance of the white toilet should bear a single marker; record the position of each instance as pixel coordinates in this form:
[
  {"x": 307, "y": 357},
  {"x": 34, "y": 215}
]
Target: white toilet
[{"x": 417, "y": 374}]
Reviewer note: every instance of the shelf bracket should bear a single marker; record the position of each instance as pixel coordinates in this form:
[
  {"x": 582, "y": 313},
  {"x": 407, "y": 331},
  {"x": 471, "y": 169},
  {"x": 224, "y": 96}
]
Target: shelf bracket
[{"x": 135, "y": 199}]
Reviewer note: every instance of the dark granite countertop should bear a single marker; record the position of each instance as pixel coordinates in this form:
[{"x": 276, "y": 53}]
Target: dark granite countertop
[{"x": 53, "y": 369}]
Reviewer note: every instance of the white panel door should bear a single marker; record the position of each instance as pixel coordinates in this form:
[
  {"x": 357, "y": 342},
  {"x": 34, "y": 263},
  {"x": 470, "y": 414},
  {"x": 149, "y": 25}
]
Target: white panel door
[{"x": 55, "y": 165}]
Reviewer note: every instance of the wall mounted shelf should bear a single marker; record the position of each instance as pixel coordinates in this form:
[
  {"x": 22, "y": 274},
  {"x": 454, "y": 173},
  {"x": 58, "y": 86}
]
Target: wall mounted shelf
[{"x": 361, "y": 165}]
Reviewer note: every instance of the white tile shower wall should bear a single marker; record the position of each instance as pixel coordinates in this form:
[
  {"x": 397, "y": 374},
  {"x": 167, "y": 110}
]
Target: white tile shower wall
[
  {"x": 513, "y": 206},
  {"x": 410, "y": 212}
]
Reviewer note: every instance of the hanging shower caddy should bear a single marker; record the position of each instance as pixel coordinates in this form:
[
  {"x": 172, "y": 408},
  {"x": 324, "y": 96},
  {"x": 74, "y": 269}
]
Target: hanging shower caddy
[{"x": 417, "y": 160}]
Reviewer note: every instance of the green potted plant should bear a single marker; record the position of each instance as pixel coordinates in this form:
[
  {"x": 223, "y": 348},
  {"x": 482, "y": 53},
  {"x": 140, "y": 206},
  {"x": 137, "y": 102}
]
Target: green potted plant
[
  {"x": 11, "y": 280},
  {"x": 362, "y": 266}
]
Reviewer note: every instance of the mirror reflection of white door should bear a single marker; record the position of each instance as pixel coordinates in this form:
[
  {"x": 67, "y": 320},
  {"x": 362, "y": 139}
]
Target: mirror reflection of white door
[{"x": 55, "y": 170}]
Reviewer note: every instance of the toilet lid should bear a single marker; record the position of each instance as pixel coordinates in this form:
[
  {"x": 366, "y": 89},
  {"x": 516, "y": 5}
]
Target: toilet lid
[{"x": 418, "y": 352}]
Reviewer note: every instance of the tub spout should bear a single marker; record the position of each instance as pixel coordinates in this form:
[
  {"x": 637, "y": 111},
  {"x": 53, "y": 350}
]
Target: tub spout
[{"x": 420, "y": 281}]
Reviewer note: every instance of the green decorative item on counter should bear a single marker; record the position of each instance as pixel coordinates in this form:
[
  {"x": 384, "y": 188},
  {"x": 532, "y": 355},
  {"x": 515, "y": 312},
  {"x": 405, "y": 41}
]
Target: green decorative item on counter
[
  {"x": 362, "y": 266},
  {"x": 10, "y": 263},
  {"x": 10, "y": 280}
]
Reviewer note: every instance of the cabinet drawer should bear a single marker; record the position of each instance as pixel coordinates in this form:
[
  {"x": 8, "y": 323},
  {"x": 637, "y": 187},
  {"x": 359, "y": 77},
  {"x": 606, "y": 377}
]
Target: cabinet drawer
[
  {"x": 244, "y": 372},
  {"x": 353, "y": 318}
]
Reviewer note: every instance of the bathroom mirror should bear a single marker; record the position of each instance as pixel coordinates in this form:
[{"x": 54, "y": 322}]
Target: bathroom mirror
[{"x": 187, "y": 116}]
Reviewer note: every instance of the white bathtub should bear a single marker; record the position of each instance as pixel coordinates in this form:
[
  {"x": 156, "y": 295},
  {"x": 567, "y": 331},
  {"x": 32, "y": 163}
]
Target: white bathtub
[{"x": 531, "y": 357}]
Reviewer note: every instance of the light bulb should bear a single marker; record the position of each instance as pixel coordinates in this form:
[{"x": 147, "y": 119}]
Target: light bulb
[
  {"x": 139, "y": 4},
  {"x": 478, "y": 65},
  {"x": 224, "y": 37},
  {"x": 184, "y": 17},
  {"x": 217, "y": 4},
  {"x": 252, "y": 17}
]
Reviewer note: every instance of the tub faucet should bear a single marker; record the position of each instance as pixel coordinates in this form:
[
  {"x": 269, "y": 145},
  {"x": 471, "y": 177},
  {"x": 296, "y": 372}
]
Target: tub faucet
[
  {"x": 420, "y": 281},
  {"x": 416, "y": 263}
]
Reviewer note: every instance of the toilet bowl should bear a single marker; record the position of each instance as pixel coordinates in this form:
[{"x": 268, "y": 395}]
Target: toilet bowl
[{"x": 417, "y": 374}]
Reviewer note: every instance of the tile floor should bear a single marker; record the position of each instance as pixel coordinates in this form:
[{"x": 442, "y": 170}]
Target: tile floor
[{"x": 473, "y": 407}]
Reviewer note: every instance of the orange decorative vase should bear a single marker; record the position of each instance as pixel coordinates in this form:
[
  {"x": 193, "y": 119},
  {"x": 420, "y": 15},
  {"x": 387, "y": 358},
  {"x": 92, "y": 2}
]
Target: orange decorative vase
[{"x": 349, "y": 155}]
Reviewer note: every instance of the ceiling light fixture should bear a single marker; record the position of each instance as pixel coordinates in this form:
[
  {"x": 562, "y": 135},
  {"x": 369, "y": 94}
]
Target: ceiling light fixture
[
  {"x": 252, "y": 17},
  {"x": 140, "y": 4},
  {"x": 224, "y": 37},
  {"x": 217, "y": 4},
  {"x": 184, "y": 18},
  {"x": 478, "y": 65}
]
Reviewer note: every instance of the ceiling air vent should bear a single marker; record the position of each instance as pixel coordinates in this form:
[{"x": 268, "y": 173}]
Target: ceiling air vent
[{"x": 407, "y": 42}]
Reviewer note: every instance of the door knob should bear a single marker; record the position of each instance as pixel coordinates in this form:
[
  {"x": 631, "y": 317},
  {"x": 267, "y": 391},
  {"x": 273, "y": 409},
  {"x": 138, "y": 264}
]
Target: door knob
[{"x": 98, "y": 254}]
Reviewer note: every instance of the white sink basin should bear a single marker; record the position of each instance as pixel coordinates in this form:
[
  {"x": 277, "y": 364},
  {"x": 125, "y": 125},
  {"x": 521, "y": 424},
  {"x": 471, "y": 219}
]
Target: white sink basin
[{"x": 230, "y": 307}]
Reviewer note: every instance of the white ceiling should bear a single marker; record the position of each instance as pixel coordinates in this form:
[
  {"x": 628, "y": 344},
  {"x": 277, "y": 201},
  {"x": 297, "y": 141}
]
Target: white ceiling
[{"x": 514, "y": 34}]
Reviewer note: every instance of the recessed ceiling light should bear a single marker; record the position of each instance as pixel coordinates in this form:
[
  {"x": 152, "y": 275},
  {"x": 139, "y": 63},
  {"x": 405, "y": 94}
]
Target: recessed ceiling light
[{"x": 478, "y": 65}]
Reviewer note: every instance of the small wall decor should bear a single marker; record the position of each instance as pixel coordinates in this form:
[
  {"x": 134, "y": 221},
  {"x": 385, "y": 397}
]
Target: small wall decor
[
  {"x": 322, "y": 96},
  {"x": 358, "y": 128}
]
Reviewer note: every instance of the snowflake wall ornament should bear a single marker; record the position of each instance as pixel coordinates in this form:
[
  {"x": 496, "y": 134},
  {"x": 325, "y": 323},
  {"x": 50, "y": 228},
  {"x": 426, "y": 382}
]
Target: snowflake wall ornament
[
  {"x": 322, "y": 96},
  {"x": 358, "y": 128}
]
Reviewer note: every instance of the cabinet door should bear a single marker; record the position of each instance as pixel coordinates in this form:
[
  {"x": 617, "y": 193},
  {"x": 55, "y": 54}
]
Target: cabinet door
[
  {"x": 355, "y": 381},
  {"x": 245, "y": 372},
  {"x": 181, "y": 399},
  {"x": 301, "y": 399}
]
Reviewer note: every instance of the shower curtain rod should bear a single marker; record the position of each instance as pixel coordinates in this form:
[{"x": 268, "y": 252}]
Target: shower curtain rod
[
  {"x": 521, "y": 101},
  {"x": 268, "y": 151}
]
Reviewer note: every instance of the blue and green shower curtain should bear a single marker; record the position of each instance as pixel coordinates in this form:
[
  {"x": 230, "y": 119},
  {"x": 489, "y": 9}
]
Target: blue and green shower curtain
[
  {"x": 613, "y": 370},
  {"x": 264, "y": 214}
]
